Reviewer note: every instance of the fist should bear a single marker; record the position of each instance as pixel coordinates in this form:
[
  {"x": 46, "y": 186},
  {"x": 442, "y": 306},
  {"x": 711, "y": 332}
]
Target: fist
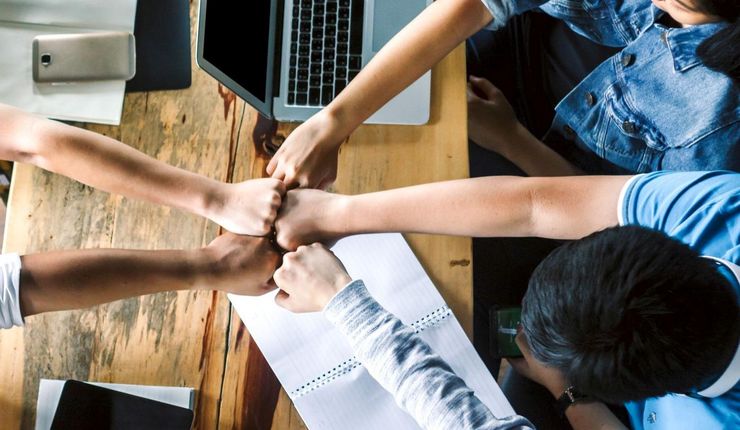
[
  {"x": 309, "y": 278},
  {"x": 239, "y": 264},
  {"x": 248, "y": 207},
  {"x": 309, "y": 216}
]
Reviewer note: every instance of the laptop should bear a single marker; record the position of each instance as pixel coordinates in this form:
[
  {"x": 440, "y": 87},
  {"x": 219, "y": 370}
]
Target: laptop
[{"x": 289, "y": 58}]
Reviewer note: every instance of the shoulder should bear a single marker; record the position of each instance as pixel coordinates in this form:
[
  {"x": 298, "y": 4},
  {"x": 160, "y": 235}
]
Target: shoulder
[
  {"x": 677, "y": 411},
  {"x": 702, "y": 209}
]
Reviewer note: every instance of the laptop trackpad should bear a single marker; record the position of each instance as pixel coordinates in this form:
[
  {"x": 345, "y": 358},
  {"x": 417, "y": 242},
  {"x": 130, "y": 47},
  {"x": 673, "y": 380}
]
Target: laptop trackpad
[{"x": 390, "y": 16}]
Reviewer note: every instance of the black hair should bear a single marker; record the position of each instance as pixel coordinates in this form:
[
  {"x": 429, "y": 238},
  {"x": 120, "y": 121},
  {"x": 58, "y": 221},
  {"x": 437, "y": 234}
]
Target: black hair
[
  {"x": 721, "y": 51},
  {"x": 629, "y": 313}
]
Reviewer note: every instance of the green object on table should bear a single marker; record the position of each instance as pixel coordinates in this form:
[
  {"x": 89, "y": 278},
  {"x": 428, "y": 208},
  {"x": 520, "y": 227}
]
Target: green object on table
[{"x": 506, "y": 320}]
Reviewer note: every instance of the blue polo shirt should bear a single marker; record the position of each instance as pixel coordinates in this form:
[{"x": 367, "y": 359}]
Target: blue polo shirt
[{"x": 702, "y": 209}]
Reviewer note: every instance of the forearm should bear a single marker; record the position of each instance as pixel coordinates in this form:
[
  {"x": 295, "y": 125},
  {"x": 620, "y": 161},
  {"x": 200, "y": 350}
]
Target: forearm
[
  {"x": 406, "y": 57},
  {"x": 584, "y": 415},
  {"x": 592, "y": 416},
  {"x": 101, "y": 162},
  {"x": 420, "y": 380},
  {"x": 500, "y": 206},
  {"x": 534, "y": 157},
  {"x": 65, "y": 280}
]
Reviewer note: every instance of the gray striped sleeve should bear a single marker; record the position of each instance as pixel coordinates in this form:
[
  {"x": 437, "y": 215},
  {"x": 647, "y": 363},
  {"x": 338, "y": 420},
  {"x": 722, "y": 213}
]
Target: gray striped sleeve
[{"x": 422, "y": 383}]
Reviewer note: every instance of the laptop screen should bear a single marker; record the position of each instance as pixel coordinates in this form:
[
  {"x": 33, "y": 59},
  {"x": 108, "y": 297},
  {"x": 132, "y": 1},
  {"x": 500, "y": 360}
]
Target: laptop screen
[{"x": 235, "y": 45}]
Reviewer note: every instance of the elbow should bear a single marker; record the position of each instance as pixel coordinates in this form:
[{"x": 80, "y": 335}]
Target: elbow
[
  {"x": 32, "y": 143},
  {"x": 530, "y": 225},
  {"x": 21, "y": 136},
  {"x": 476, "y": 13}
]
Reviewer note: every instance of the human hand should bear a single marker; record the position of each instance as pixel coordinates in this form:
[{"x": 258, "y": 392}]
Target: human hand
[
  {"x": 308, "y": 157},
  {"x": 309, "y": 216},
  {"x": 549, "y": 377},
  {"x": 238, "y": 264},
  {"x": 309, "y": 278},
  {"x": 492, "y": 122},
  {"x": 249, "y": 207}
]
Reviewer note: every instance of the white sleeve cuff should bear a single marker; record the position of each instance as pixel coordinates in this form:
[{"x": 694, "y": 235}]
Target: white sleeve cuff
[
  {"x": 622, "y": 196},
  {"x": 10, "y": 280}
]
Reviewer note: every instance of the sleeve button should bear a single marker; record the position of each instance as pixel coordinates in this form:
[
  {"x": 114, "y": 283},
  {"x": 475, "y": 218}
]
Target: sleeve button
[
  {"x": 590, "y": 99},
  {"x": 629, "y": 127}
]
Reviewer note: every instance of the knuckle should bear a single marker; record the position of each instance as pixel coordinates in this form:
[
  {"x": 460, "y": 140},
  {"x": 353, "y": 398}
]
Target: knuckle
[{"x": 276, "y": 198}]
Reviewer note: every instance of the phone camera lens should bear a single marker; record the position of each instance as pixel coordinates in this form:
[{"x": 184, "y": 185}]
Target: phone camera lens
[{"x": 46, "y": 59}]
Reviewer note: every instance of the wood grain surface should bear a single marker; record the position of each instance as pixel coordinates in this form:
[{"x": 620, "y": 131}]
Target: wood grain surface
[{"x": 195, "y": 339}]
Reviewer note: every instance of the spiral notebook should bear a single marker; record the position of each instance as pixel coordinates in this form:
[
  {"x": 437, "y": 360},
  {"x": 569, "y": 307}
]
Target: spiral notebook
[{"x": 315, "y": 364}]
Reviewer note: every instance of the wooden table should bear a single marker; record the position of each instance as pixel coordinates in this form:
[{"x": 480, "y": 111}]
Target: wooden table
[{"x": 194, "y": 339}]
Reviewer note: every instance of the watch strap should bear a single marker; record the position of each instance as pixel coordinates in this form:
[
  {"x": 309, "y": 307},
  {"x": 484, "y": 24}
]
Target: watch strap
[{"x": 570, "y": 396}]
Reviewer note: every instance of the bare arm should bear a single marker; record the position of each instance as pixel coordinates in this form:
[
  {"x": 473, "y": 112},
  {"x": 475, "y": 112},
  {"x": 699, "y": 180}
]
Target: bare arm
[
  {"x": 308, "y": 156},
  {"x": 408, "y": 55},
  {"x": 581, "y": 416},
  {"x": 64, "y": 280},
  {"x": 559, "y": 207},
  {"x": 107, "y": 164},
  {"x": 492, "y": 124},
  {"x": 534, "y": 157},
  {"x": 587, "y": 416}
]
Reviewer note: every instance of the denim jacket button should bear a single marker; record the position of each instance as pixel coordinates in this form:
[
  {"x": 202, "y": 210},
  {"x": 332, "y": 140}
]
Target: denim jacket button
[
  {"x": 627, "y": 60},
  {"x": 569, "y": 132},
  {"x": 629, "y": 127},
  {"x": 590, "y": 99}
]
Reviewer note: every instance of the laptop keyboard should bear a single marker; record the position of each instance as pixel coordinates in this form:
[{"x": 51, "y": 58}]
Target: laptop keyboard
[{"x": 325, "y": 49}]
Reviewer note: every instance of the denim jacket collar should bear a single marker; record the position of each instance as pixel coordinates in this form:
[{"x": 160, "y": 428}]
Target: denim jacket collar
[{"x": 683, "y": 42}]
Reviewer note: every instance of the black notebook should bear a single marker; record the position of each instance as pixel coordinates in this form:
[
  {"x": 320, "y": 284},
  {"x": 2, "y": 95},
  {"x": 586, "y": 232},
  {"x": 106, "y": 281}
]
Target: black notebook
[
  {"x": 162, "y": 33},
  {"x": 85, "y": 406}
]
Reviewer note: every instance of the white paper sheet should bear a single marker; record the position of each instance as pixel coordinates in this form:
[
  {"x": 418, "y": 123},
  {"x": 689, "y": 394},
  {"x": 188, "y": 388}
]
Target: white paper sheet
[
  {"x": 50, "y": 391},
  {"x": 315, "y": 364},
  {"x": 22, "y": 20}
]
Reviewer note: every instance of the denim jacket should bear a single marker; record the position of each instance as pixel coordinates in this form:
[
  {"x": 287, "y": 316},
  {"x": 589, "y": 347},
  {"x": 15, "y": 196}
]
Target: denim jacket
[{"x": 651, "y": 106}]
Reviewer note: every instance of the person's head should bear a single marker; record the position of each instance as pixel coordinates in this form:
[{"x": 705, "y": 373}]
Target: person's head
[
  {"x": 721, "y": 51},
  {"x": 629, "y": 313}
]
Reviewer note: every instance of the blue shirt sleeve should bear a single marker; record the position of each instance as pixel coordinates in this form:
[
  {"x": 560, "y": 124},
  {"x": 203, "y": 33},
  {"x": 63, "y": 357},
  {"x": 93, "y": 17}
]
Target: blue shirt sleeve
[
  {"x": 422, "y": 383},
  {"x": 701, "y": 209}
]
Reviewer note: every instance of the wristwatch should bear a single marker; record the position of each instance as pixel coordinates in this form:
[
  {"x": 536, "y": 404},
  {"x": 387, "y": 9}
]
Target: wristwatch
[{"x": 570, "y": 396}]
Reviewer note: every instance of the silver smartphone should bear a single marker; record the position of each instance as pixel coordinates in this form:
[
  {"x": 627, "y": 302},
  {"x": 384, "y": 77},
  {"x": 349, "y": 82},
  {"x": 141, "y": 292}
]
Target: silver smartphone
[{"x": 84, "y": 57}]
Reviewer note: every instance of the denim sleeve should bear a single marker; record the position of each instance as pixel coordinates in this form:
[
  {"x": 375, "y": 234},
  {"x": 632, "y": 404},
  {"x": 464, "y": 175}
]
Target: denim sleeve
[
  {"x": 422, "y": 383},
  {"x": 10, "y": 305},
  {"x": 502, "y": 10}
]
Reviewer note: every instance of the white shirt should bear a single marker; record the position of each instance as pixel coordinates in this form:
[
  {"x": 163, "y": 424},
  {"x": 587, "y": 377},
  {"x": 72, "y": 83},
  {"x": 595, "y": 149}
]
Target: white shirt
[{"x": 10, "y": 280}]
